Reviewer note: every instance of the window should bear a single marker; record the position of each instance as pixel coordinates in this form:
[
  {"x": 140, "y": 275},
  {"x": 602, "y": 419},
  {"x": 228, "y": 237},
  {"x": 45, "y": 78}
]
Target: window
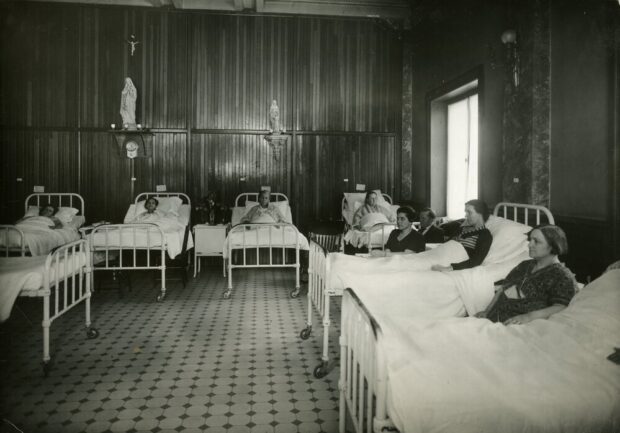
[{"x": 462, "y": 158}]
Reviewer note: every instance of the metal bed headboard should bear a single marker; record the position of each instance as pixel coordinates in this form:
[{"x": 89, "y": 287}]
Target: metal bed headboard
[
  {"x": 522, "y": 212},
  {"x": 58, "y": 199},
  {"x": 247, "y": 196},
  {"x": 146, "y": 195}
]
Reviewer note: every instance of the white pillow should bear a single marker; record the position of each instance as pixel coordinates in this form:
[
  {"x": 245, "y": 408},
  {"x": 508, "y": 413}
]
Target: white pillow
[
  {"x": 509, "y": 239},
  {"x": 285, "y": 210},
  {"x": 380, "y": 199},
  {"x": 66, "y": 214},
  {"x": 370, "y": 219},
  {"x": 32, "y": 211},
  {"x": 237, "y": 213},
  {"x": 348, "y": 213},
  {"x": 250, "y": 204},
  {"x": 353, "y": 197}
]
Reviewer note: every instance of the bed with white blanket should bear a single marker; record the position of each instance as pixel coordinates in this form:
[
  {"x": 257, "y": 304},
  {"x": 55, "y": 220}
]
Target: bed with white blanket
[
  {"x": 270, "y": 244},
  {"x": 61, "y": 278},
  {"x": 33, "y": 235},
  {"x": 143, "y": 240},
  {"x": 375, "y": 228},
  {"x": 472, "y": 375},
  {"x": 409, "y": 276}
]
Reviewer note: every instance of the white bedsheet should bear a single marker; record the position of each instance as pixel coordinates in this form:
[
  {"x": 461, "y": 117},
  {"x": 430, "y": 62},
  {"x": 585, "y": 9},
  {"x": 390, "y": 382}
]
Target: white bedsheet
[
  {"x": 279, "y": 235},
  {"x": 19, "y": 274},
  {"x": 470, "y": 375},
  {"x": 174, "y": 232},
  {"x": 360, "y": 238},
  {"x": 39, "y": 238}
]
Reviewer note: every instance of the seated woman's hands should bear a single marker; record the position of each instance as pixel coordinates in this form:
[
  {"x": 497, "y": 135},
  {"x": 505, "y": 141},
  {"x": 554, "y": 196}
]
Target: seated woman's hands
[
  {"x": 521, "y": 319},
  {"x": 442, "y": 268}
]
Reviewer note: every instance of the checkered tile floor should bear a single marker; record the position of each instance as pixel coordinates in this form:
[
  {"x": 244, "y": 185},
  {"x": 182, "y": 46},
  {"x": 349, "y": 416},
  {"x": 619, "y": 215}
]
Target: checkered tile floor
[{"x": 194, "y": 363}]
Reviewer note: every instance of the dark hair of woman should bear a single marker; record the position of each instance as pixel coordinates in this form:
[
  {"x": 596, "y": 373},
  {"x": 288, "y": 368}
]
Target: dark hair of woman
[
  {"x": 555, "y": 237},
  {"x": 480, "y": 207},
  {"x": 409, "y": 212}
]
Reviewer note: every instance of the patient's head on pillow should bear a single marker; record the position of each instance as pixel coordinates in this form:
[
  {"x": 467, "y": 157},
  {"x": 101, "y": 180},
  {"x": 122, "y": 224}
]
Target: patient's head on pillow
[
  {"x": 553, "y": 240},
  {"x": 263, "y": 198},
  {"x": 371, "y": 198},
  {"x": 49, "y": 210}
]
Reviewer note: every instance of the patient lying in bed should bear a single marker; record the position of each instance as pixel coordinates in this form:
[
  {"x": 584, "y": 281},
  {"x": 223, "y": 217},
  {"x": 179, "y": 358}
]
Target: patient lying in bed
[
  {"x": 46, "y": 218},
  {"x": 370, "y": 211},
  {"x": 264, "y": 212}
]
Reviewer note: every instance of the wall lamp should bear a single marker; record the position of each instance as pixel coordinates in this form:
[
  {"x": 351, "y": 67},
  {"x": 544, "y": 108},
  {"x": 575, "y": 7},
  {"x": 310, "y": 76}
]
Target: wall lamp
[{"x": 509, "y": 38}]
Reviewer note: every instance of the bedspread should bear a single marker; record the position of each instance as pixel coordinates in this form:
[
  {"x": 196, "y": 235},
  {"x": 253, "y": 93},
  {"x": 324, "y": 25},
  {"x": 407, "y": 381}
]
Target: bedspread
[
  {"x": 471, "y": 375},
  {"x": 360, "y": 238},
  {"x": 19, "y": 274},
  {"x": 268, "y": 236},
  {"x": 39, "y": 238},
  {"x": 174, "y": 233}
]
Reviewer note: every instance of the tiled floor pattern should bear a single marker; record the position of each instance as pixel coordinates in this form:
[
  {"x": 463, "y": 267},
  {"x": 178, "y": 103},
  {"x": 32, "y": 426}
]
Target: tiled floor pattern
[{"x": 194, "y": 363}]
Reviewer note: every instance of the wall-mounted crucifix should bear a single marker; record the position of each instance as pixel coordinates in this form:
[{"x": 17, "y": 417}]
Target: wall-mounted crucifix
[{"x": 132, "y": 41}]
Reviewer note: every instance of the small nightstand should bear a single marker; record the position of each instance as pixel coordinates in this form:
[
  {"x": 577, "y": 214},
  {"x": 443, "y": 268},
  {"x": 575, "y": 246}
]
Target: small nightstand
[{"x": 209, "y": 242}]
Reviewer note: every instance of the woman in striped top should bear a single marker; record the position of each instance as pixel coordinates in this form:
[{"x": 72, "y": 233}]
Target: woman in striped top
[{"x": 473, "y": 235}]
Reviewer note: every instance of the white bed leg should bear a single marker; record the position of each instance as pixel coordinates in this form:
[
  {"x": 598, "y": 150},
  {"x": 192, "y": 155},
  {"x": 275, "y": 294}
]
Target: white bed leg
[
  {"x": 162, "y": 294},
  {"x": 46, "y": 333},
  {"x": 342, "y": 405},
  {"x": 228, "y": 291}
]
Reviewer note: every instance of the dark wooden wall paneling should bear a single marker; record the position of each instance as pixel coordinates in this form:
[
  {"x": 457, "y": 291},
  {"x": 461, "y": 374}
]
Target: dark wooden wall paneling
[{"x": 205, "y": 84}]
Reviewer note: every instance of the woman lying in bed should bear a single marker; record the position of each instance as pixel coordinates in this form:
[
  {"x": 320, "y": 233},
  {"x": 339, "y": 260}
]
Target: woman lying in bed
[
  {"x": 536, "y": 288},
  {"x": 473, "y": 235},
  {"x": 371, "y": 207},
  {"x": 264, "y": 211},
  {"x": 46, "y": 216},
  {"x": 151, "y": 214}
]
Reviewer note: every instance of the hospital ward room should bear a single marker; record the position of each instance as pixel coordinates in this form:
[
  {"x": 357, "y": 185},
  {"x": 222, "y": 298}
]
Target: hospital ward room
[{"x": 310, "y": 216}]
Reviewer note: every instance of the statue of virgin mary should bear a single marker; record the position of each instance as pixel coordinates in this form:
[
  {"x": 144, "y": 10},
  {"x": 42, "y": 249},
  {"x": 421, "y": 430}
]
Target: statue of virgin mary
[{"x": 128, "y": 104}]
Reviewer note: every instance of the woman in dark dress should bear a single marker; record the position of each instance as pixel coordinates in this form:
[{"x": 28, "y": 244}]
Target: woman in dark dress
[
  {"x": 536, "y": 288},
  {"x": 473, "y": 235},
  {"x": 405, "y": 239}
]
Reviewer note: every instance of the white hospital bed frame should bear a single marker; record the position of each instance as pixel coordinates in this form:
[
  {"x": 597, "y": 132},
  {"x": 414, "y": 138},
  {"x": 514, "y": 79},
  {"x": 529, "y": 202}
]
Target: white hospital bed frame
[
  {"x": 363, "y": 373},
  {"x": 274, "y": 243},
  {"x": 113, "y": 254},
  {"x": 318, "y": 274},
  {"x": 61, "y": 294},
  {"x": 377, "y": 227},
  {"x": 58, "y": 199}
]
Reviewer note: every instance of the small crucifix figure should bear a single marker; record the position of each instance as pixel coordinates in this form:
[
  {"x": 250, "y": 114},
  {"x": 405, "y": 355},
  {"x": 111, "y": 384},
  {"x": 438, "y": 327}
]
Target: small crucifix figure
[{"x": 133, "y": 42}]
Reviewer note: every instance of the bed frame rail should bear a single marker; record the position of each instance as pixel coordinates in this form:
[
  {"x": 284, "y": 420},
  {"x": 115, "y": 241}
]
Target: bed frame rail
[
  {"x": 9, "y": 232},
  {"x": 524, "y": 213},
  {"x": 249, "y": 234},
  {"x": 119, "y": 241},
  {"x": 58, "y": 199},
  {"x": 362, "y": 392}
]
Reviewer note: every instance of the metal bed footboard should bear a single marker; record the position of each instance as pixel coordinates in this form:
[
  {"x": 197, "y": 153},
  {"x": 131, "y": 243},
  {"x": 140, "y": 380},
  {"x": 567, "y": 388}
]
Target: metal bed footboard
[
  {"x": 363, "y": 374},
  {"x": 319, "y": 296},
  {"x": 276, "y": 241},
  {"x": 66, "y": 283},
  {"x": 122, "y": 238},
  {"x": 8, "y": 248}
]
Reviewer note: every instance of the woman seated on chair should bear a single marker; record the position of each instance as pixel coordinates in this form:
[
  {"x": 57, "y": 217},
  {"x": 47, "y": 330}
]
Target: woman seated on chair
[
  {"x": 48, "y": 211},
  {"x": 405, "y": 239},
  {"x": 371, "y": 207},
  {"x": 473, "y": 235},
  {"x": 264, "y": 211},
  {"x": 536, "y": 288}
]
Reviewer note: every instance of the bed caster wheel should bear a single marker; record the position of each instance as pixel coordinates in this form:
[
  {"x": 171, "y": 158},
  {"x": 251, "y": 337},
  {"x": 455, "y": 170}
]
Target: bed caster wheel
[
  {"x": 294, "y": 293},
  {"x": 92, "y": 333},
  {"x": 227, "y": 294},
  {"x": 160, "y": 297},
  {"x": 321, "y": 371},
  {"x": 305, "y": 333}
]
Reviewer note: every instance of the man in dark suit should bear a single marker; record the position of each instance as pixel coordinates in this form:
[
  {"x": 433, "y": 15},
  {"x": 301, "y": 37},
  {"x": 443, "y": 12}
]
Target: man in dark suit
[{"x": 428, "y": 228}]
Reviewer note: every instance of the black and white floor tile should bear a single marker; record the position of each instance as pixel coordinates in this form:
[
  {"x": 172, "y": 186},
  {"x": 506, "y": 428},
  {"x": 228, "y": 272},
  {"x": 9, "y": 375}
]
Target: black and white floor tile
[{"x": 193, "y": 363}]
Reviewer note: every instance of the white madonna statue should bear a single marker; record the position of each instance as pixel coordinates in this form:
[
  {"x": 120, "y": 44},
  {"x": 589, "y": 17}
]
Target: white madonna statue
[
  {"x": 274, "y": 118},
  {"x": 128, "y": 104}
]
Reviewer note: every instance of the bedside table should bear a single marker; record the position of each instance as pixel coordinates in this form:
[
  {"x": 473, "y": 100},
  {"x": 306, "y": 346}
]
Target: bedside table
[{"x": 209, "y": 242}]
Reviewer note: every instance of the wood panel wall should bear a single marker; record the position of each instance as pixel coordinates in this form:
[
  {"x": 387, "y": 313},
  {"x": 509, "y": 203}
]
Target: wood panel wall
[{"x": 205, "y": 83}]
